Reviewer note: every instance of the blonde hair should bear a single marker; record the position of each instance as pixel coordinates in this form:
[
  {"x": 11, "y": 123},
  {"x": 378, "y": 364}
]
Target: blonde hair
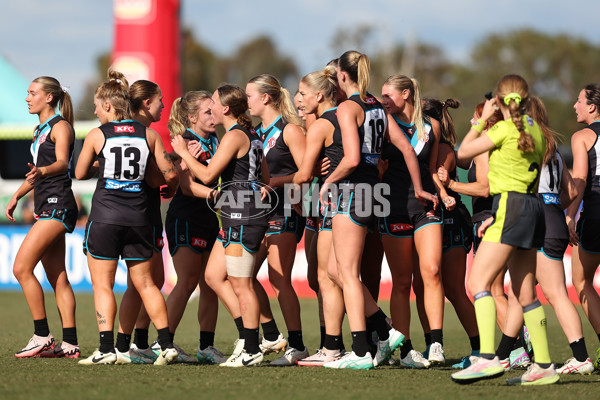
[
  {"x": 182, "y": 108},
  {"x": 59, "y": 96},
  {"x": 537, "y": 111},
  {"x": 357, "y": 66},
  {"x": 401, "y": 83},
  {"x": 141, "y": 90},
  {"x": 235, "y": 98},
  {"x": 116, "y": 91},
  {"x": 280, "y": 96},
  {"x": 324, "y": 81},
  {"x": 510, "y": 85}
]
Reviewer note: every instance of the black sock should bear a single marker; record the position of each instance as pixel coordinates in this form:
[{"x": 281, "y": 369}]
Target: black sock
[
  {"x": 107, "y": 342},
  {"x": 406, "y": 348},
  {"x": 579, "y": 351},
  {"x": 164, "y": 338},
  {"x": 40, "y": 327},
  {"x": 519, "y": 342},
  {"x": 331, "y": 342},
  {"x": 505, "y": 347},
  {"x": 70, "y": 336},
  {"x": 475, "y": 346},
  {"x": 295, "y": 340},
  {"x": 370, "y": 330},
  {"x": 380, "y": 324},
  {"x": 251, "y": 341},
  {"x": 206, "y": 339},
  {"x": 239, "y": 324},
  {"x": 544, "y": 365},
  {"x": 360, "y": 346},
  {"x": 123, "y": 342},
  {"x": 437, "y": 336},
  {"x": 270, "y": 331},
  {"x": 322, "y": 343},
  {"x": 140, "y": 338},
  {"x": 428, "y": 339}
]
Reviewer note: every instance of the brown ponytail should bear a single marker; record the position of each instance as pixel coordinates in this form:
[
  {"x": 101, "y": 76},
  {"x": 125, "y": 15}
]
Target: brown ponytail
[
  {"x": 235, "y": 98},
  {"x": 512, "y": 91},
  {"x": 60, "y": 96},
  {"x": 537, "y": 111}
]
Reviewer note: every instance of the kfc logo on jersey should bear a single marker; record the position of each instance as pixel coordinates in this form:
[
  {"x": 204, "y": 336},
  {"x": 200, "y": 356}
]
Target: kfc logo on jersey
[
  {"x": 370, "y": 100},
  {"x": 197, "y": 242},
  {"x": 271, "y": 143},
  {"x": 400, "y": 227},
  {"x": 124, "y": 129}
]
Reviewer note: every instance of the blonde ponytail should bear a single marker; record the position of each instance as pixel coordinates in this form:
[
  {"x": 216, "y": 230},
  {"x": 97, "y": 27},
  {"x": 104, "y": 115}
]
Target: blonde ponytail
[{"x": 182, "y": 108}]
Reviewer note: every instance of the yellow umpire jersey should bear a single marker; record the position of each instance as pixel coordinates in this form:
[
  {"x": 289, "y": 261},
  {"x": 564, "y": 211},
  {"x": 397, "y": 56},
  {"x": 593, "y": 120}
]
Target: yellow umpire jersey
[{"x": 513, "y": 170}]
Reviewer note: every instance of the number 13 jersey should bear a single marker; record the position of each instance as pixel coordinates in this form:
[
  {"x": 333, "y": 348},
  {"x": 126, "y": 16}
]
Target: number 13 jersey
[{"x": 121, "y": 197}]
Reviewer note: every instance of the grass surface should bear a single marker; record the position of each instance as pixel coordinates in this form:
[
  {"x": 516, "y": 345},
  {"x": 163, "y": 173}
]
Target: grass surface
[{"x": 64, "y": 379}]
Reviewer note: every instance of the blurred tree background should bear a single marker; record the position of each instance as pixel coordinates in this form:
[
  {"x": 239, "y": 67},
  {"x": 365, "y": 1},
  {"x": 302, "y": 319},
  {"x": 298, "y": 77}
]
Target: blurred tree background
[{"x": 556, "y": 67}]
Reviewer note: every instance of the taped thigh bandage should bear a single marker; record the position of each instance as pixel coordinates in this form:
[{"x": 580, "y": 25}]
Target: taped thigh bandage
[{"x": 242, "y": 266}]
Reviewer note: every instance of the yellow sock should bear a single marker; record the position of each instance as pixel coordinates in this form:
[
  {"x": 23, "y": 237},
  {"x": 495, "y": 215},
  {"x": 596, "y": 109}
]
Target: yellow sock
[
  {"x": 535, "y": 320},
  {"x": 485, "y": 311}
]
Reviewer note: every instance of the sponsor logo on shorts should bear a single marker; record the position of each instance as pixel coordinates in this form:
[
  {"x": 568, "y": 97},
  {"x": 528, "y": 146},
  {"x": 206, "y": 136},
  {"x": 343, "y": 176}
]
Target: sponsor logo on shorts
[
  {"x": 448, "y": 221},
  {"x": 124, "y": 129},
  {"x": 53, "y": 200},
  {"x": 236, "y": 215},
  {"x": 160, "y": 242},
  {"x": 198, "y": 242},
  {"x": 310, "y": 223},
  {"x": 400, "y": 227},
  {"x": 235, "y": 235}
]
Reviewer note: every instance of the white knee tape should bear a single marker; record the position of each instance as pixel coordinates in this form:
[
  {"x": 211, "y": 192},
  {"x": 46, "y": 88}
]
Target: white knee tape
[{"x": 240, "y": 267}]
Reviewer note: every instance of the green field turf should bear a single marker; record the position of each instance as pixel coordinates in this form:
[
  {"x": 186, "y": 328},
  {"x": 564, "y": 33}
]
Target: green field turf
[{"x": 63, "y": 379}]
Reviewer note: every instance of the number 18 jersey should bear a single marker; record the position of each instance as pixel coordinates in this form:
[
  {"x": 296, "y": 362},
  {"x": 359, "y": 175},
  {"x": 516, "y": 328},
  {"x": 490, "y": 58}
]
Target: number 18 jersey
[
  {"x": 370, "y": 134},
  {"x": 121, "y": 198}
]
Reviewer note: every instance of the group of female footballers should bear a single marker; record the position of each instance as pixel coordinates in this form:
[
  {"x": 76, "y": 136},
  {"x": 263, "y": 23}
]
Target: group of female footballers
[{"x": 385, "y": 173}]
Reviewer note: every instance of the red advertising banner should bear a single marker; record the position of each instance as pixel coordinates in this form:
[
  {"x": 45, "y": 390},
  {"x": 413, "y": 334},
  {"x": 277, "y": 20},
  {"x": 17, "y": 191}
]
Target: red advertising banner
[{"x": 147, "y": 46}]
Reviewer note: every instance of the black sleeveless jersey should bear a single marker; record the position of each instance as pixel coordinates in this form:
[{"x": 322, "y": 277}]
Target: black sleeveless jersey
[
  {"x": 121, "y": 196},
  {"x": 370, "y": 135},
  {"x": 279, "y": 157},
  {"x": 192, "y": 208},
  {"x": 402, "y": 191},
  {"x": 240, "y": 195},
  {"x": 51, "y": 192},
  {"x": 591, "y": 195},
  {"x": 481, "y": 206},
  {"x": 333, "y": 152}
]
